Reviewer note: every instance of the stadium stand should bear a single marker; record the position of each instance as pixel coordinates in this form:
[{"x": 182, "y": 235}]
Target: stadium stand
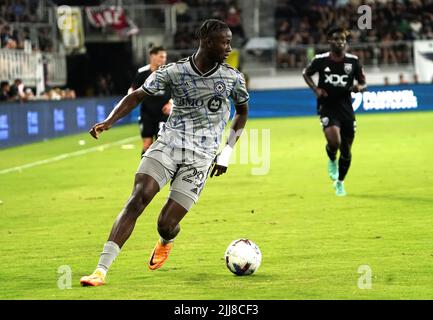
[
  {"x": 301, "y": 24},
  {"x": 30, "y": 54},
  {"x": 269, "y": 37}
]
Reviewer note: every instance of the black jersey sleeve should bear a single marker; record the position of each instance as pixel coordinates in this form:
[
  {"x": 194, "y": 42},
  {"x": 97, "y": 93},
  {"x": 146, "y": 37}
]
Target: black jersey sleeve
[
  {"x": 359, "y": 72},
  {"x": 139, "y": 79},
  {"x": 312, "y": 67}
]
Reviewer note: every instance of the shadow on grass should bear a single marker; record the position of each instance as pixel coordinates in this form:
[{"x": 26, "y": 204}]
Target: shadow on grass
[
  {"x": 221, "y": 279},
  {"x": 391, "y": 197}
]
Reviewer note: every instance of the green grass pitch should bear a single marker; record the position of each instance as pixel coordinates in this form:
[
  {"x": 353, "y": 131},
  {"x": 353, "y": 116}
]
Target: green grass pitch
[{"x": 60, "y": 213}]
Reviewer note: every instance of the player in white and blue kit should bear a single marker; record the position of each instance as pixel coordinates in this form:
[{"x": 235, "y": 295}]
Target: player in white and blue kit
[{"x": 186, "y": 149}]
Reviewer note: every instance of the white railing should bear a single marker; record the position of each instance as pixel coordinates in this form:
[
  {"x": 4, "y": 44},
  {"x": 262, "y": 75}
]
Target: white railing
[
  {"x": 56, "y": 72},
  {"x": 17, "y": 64},
  {"x": 29, "y": 67}
]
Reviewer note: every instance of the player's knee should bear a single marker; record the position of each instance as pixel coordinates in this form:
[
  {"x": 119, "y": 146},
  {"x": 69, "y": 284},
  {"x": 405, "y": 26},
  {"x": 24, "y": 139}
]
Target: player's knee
[
  {"x": 145, "y": 195},
  {"x": 139, "y": 200},
  {"x": 346, "y": 155},
  {"x": 334, "y": 145},
  {"x": 345, "y": 151}
]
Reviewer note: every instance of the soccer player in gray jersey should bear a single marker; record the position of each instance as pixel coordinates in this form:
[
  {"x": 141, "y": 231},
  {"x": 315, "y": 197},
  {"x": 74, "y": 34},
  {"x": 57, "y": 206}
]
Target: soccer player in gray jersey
[{"x": 186, "y": 149}]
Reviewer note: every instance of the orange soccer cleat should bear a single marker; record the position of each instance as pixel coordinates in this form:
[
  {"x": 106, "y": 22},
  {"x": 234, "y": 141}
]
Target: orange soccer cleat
[
  {"x": 159, "y": 255},
  {"x": 97, "y": 278}
]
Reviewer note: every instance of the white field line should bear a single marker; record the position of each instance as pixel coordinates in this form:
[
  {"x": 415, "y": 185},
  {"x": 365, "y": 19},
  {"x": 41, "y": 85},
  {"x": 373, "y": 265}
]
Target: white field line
[{"x": 68, "y": 155}]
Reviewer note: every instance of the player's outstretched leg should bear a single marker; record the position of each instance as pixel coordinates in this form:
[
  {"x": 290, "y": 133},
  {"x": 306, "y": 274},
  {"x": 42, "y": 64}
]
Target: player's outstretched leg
[
  {"x": 145, "y": 188},
  {"x": 168, "y": 228}
]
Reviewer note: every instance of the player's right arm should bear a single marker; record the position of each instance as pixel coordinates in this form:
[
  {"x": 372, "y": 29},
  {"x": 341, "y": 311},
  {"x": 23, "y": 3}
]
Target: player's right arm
[
  {"x": 307, "y": 73},
  {"x": 154, "y": 83},
  {"x": 124, "y": 107}
]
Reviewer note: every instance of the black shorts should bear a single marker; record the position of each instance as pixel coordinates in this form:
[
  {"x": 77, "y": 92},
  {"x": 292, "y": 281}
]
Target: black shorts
[
  {"x": 150, "y": 125},
  {"x": 347, "y": 127}
]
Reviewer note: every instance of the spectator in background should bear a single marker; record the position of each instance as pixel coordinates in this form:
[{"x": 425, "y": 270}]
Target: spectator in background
[
  {"x": 53, "y": 94},
  {"x": 401, "y": 79},
  {"x": 101, "y": 86},
  {"x": 415, "y": 27},
  {"x": 4, "y": 91},
  {"x": 104, "y": 85},
  {"x": 394, "y": 22},
  {"x": 29, "y": 95},
  {"x": 181, "y": 9},
  {"x": 283, "y": 57},
  {"x": 284, "y": 29},
  {"x": 386, "y": 81},
  {"x": 388, "y": 54},
  {"x": 233, "y": 20},
  {"x": 110, "y": 83},
  {"x": 18, "y": 10},
  {"x": 8, "y": 40},
  {"x": 16, "y": 92},
  {"x": 69, "y": 94},
  {"x": 415, "y": 78}
]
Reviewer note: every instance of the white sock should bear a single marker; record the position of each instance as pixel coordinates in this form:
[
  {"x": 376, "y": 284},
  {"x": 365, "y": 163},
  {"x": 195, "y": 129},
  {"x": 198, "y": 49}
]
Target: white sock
[
  {"x": 164, "y": 242},
  {"x": 109, "y": 253},
  {"x": 100, "y": 270}
]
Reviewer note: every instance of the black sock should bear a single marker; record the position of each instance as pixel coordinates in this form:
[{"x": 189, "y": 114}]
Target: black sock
[
  {"x": 343, "y": 167},
  {"x": 331, "y": 154}
]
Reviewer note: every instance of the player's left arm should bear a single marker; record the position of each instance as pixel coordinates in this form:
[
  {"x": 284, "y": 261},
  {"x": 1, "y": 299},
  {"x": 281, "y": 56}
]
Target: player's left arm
[
  {"x": 360, "y": 78},
  {"x": 240, "y": 98},
  {"x": 239, "y": 120}
]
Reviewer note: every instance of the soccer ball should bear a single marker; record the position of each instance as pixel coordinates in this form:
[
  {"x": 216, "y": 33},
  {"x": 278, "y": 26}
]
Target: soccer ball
[{"x": 243, "y": 257}]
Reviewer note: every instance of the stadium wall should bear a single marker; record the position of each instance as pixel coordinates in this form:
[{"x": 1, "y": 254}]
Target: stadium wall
[
  {"x": 22, "y": 123},
  {"x": 37, "y": 121},
  {"x": 302, "y": 102},
  {"x": 294, "y": 80}
]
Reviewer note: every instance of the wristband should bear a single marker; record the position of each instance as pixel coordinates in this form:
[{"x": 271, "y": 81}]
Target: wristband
[{"x": 224, "y": 156}]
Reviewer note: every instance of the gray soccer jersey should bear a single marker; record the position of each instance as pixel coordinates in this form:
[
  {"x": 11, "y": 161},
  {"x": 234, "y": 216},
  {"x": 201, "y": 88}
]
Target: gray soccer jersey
[{"x": 201, "y": 105}]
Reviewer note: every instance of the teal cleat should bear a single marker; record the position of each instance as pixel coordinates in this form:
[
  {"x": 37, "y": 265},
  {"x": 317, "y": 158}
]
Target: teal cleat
[
  {"x": 339, "y": 188},
  {"x": 333, "y": 170}
]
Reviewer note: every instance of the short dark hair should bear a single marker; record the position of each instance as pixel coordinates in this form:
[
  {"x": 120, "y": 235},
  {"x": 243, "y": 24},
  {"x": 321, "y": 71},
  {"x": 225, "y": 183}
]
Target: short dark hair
[
  {"x": 336, "y": 29},
  {"x": 210, "y": 26},
  {"x": 4, "y": 84},
  {"x": 156, "y": 49}
]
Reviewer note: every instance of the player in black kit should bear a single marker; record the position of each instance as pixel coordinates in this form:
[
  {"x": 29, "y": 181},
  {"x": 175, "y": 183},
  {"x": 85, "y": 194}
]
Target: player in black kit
[
  {"x": 337, "y": 71},
  {"x": 154, "y": 110}
]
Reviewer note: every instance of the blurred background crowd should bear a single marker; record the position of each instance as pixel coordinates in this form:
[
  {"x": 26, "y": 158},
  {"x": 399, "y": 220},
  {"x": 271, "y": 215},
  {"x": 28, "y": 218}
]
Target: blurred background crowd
[
  {"x": 394, "y": 23},
  {"x": 108, "y": 59}
]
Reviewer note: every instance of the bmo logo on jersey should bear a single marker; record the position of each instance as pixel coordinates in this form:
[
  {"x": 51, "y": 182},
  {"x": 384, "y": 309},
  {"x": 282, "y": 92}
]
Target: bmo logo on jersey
[
  {"x": 336, "y": 80},
  {"x": 189, "y": 102}
]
